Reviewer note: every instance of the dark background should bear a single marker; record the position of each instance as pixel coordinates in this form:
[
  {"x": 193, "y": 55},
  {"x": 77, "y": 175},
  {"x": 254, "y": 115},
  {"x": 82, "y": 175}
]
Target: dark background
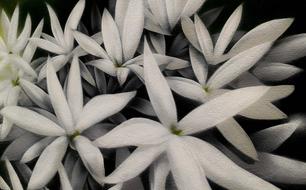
[{"x": 255, "y": 12}]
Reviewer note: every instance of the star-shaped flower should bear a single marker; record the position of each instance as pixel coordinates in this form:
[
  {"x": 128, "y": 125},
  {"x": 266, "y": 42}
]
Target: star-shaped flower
[
  {"x": 189, "y": 159},
  {"x": 72, "y": 118},
  {"x": 62, "y": 42},
  {"x": 16, "y": 54}
]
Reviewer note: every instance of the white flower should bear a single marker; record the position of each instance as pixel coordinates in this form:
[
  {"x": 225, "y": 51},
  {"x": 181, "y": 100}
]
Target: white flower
[
  {"x": 163, "y": 16},
  {"x": 121, "y": 38},
  {"x": 72, "y": 118},
  {"x": 62, "y": 42},
  {"x": 198, "y": 35},
  {"x": 189, "y": 159},
  {"x": 16, "y": 53}
]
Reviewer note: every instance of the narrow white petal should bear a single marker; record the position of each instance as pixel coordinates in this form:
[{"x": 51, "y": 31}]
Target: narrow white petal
[
  {"x": 92, "y": 158},
  {"x": 36, "y": 149},
  {"x": 199, "y": 65},
  {"x": 58, "y": 62},
  {"x": 158, "y": 42},
  {"x": 89, "y": 45},
  {"x": 184, "y": 166},
  {"x": 279, "y": 169},
  {"x": 73, "y": 22},
  {"x": 31, "y": 47},
  {"x": 159, "y": 10},
  {"x": 86, "y": 74},
  {"x": 48, "y": 46},
  {"x": 159, "y": 172},
  {"x": 16, "y": 184},
  {"x": 23, "y": 65},
  {"x": 13, "y": 27},
  {"x": 278, "y": 92},
  {"x": 275, "y": 71},
  {"x": 74, "y": 89},
  {"x": 136, "y": 163},
  {"x": 122, "y": 74},
  {"x": 159, "y": 90},
  {"x": 48, "y": 163},
  {"x": 288, "y": 49},
  {"x": 104, "y": 65},
  {"x": 228, "y": 31},
  {"x": 65, "y": 183},
  {"x": 204, "y": 39},
  {"x": 5, "y": 24},
  {"x": 234, "y": 133},
  {"x": 237, "y": 66},
  {"x": 266, "y": 32},
  {"x": 32, "y": 121},
  {"x": 134, "y": 132},
  {"x": 270, "y": 139},
  {"x": 36, "y": 94},
  {"x": 190, "y": 33},
  {"x": 111, "y": 37},
  {"x": 3, "y": 184},
  {"x": 15, "y": 150},
  {"x": 132, "y": 28},
  {"x": 214, "y": 111},
  {"x": 58, "y": 99},
  {"x": 101, "y": 107},
  {"x": 120, "y": 10},
  {"x": 223, "y": 171},
  {"x": 263, "y": 111},
  {"x": 56, "y": 27},
  {"x": 24, "y": 36},
  {"x": 187, "y": 88}
]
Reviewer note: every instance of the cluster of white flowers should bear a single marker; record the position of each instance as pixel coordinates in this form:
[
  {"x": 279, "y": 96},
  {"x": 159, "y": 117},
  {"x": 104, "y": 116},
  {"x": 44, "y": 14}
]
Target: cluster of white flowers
[{"x": 99, "y": 111}]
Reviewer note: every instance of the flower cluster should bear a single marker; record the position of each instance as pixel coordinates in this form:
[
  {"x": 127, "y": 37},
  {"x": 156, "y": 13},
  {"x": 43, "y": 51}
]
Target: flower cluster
[{"x": 145, "y": 90}]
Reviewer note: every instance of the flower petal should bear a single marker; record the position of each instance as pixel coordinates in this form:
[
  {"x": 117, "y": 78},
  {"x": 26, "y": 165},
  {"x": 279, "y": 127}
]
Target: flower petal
[
  {"x": 56, "y": 27},
  {"x": 24, "y": 36},
  {"x": 214, "y": 111},
  {"x": 104, "y": 65},
  {"x": 143, "y": 106},
  {"x": 15, "y": 149},
  {"x": 134, "y": 132},
  {"x": 228, "y": 31},
  {"x": 270, "y": 139},
  {"x": 159, "y": 172},
  {"x": 111, "y": 37},
  {"x": 101, "y": 107},
  {"x": 36, "y": 149},
  {"x": 48, "y": 46},
  {"x": 48, "y": 163},
  {"x": 266, "y": 32},
  {"x": 288, "y": 49},
  {"x": 234, "y": 133},
  {"x": 58, "y": 99},
  {"x": 184, "y": 166},
  {"x": 3, "y": 184},
  {"x": 223, "y": 171},
  {"x": 16, "y": 184},
  {"x": 32, "y": 121},
  {"x": 36, "y": 94},
  {"x": 187, "y": 88},
  {"x": 13, "y": 27},
  {"x": 92, "y": 158},
  {"x": 73, "y": 22},
  {"x": 263, "y": 111},
  {"x": 90, "y": 45},
  {"x": 199, "y": 65},
  {"x": 74, "y": 89},
  {"x": 190, "y": 33},
  {"x": 65, "y": 183},
  {"x": 132, "y": 28},
  {"x": 159, "y": 90},
  {"x": 275, "y": 71},
  {"x": 237, "y": 65},
  {"x": 136, "y": 163}
]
